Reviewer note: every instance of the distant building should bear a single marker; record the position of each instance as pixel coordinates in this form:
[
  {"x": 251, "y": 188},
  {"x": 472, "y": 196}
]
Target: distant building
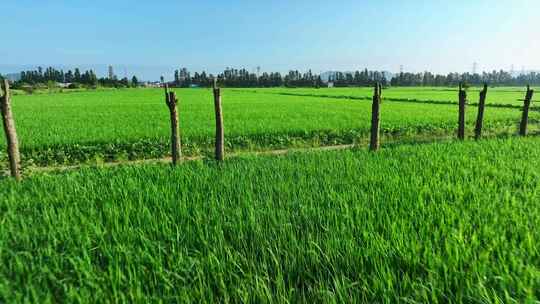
[
  {"x": 111, "y": 73},
  {"x": 330, "y": 84},
  {"x": 153, "y": 84},
  {"x": 63, "y": 85}
]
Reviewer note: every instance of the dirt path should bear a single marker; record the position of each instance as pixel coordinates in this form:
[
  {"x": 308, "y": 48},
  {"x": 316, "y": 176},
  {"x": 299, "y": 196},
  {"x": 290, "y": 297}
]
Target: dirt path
[
  {"x": 167, "y": 160},
  {"x": 388, "y": 142}
]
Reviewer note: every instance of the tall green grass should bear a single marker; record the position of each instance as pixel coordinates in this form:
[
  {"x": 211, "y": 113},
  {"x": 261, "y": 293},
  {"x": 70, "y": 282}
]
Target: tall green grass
[{"x": 436, "y": 223}]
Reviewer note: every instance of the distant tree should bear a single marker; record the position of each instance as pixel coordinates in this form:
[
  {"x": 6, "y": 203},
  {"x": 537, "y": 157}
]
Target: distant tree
[
  {"x": 124, "y": 82},
  {"x": 176, "y": 78},
  {"x": 77, "y": 75},
  {"x": 92, "y": 78},
  {"x": 69, "y": 77},
  {"x": 319, "y": 82},
  {"x": 134, "y": 82},
  {"x": 384, "y": 81}
]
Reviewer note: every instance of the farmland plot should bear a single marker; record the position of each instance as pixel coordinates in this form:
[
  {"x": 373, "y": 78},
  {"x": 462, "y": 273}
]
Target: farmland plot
[{"x": 133, "y": 124}]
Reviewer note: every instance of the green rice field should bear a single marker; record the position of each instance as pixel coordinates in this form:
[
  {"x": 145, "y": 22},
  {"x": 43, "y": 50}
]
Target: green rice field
[
  {"x": 427, "y": 219},
  {"x": 434, "y": 223},
  {"x": 111, "y": 125}
]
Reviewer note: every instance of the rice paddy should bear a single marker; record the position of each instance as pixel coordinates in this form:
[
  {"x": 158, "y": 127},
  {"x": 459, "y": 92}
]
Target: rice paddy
[
  {"x": 109, "y": 125},
  {"x": 434, "y": 222},
  {"x": 450, "y": 222}
]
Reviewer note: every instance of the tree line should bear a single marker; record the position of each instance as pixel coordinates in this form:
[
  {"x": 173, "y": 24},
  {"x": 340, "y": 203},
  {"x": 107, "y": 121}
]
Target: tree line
[
  {"x": 494, "y": 78},
  {"x": 243, "y": 78},
  {"x": 75, "y": 78},
  {"x": 236, "y": 78}
]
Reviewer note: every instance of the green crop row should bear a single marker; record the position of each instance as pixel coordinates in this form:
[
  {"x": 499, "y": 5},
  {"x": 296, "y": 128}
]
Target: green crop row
[
  {"x": 414, "y": 100},
  {"x": 508, "y": 96}
]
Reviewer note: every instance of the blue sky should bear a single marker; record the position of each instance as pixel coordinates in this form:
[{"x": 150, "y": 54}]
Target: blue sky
[{"x": 153, "y": 37}]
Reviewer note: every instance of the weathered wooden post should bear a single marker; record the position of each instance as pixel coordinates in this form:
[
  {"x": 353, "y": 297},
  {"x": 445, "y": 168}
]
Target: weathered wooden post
[
  {"x": 220, "y": 137},
  {"x": 525, "y": 117},
  {"x": 375, "y": 118},
  {"x": 480, "y": 117},
  {"x": 172, "y": 101},
  {"x": 11, "y": 133},
  {"x": 462, "y": 107}
]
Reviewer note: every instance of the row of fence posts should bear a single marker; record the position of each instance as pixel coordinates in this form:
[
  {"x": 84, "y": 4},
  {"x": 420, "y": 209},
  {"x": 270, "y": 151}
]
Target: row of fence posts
[
  {"x": 462, "y": 103},
  {"x": 176, "y": 147},
  {"x": 375, "y": 118},
  {"x": 172, "y": 104}
]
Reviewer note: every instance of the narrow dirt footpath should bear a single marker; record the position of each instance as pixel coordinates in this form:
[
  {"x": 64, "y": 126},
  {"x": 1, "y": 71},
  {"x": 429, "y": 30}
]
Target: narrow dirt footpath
[{"x": 33, "y": 170}]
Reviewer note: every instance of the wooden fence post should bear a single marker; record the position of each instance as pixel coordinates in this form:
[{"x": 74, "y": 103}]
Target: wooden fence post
[
  {"x": 11, "y": 133},
  {"x": 172, "y": 101},
  {"x": 220, "y": 138},
  {"x": 525, "y": 117},
  {"x": 480, "y": 117},
  {"x": 375, "y": 118},
  {"x": 462, "y": 107}
]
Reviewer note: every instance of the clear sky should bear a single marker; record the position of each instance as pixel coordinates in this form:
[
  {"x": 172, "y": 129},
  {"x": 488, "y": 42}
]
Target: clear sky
[{"x": 153, "y": 37}]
